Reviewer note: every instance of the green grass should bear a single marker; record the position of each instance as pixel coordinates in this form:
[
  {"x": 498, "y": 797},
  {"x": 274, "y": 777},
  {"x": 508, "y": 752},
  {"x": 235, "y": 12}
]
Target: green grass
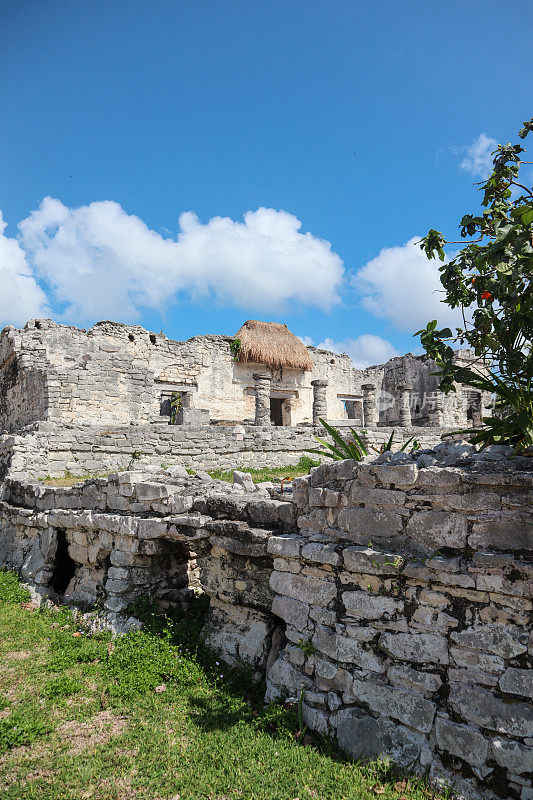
[
  {"x": 258, "y": 475},
  {"x": 270, "y": 473},
  {"x": 152, "y": 715}
]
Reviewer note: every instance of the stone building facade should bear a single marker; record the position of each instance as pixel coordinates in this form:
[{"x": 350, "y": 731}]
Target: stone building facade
[{"x": 114, "y": 374}]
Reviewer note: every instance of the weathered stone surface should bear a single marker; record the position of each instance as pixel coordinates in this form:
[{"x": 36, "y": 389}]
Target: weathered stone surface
[
  {"x": 392, "y": 701},
  {"x": 366, "y": 738},
  {"x": 368, "y": 524},
  {"x": 425, "y": 682},
  {"x": 330, "y": 676},
  {"x": 374, "y": 562},
  {"x": 505, "y": 641},
  {"x": 517, "y": 681},
  {"x": 429, "y": 529},
  {"x": 515, "y": 757},
  {"x": 514, "y": 532},
  {"x": 422, "y": 648},
  {"x": 485, "y": 709},
  {"x": 284, "y": 680},
  {"x": 363, "y": 605},
  {"x": 302, "y": 587},
  {"x": 321, "y": 553},
  {"x": 345, "y": 649},
  {"x": 286, "y": 546},
  {"x": 462, "y": 740},
  {"x": 291, "y": 611}
]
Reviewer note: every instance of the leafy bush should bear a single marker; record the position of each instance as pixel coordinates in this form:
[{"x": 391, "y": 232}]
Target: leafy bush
[{"x": 490, "y": 281}]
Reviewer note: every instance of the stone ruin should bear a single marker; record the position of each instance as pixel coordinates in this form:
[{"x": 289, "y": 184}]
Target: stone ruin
[{"x": 395, "y": 593}]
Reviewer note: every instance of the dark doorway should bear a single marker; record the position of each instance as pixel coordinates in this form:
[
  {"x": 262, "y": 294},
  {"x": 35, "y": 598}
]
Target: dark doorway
[
  {"x": 276, "y": 411},
  {"x": 64, "y": 567}
]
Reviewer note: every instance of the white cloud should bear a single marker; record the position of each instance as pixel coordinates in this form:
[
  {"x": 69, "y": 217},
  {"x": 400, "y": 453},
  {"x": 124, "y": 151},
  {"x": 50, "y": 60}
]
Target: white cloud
[
  {"x": 364, "y": 351},
  {"x": 100, "y": 261},
  {"x": 21, "y": 298},
  {"x": 478, "y": 158},
  {"x": 402, "y": 285},
  {"x": 306, "y": 340}
]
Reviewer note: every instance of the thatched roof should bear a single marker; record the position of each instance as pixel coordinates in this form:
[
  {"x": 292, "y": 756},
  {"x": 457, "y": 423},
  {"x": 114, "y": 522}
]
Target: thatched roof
[{"x": 271, "y": 344}]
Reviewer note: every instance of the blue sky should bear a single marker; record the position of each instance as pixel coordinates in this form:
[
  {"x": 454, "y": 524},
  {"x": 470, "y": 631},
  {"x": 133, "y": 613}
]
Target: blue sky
[{"x": 362, "y": 120}]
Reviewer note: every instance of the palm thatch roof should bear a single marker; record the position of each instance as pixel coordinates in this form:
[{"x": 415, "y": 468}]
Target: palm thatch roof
[{"x": 271, "y": 344}]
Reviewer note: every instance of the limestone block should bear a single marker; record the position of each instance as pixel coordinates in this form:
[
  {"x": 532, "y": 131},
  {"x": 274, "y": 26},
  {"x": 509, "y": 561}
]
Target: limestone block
[
  {"x": 485, "y": 709},
  {"x": 503, "y": 532},
  {"x": 400, "y": 475},
  {"x": 366, "y": 738},
  {"x": 331, "y": 676},
  {"x": 368, "y": 524},
  {"x": 421, "y": 648},
  {"x": 425, "y": 682},
  {"x": 377, "y": 497},
  {"x": 363, "y": 605},
  {"x": 294, "y": 612},
  {"x": 474, "y": 660},
  {"x": 434, "y": 529},
  {"x": 345, "y": 649},
  {"x": 395, "y": 702},
  {"x": 239, "y": 633},
  {"x": 515, "y": 757},
  {"x": 462, "y": 740},
  {"x": 306, "y": 588},
  {"x": 505, "y": 641},
  {"x": 321, "y": 553},
  {"x": 287, "y": 546},
  {"x": 517, "y": 681},
  {"x": 284, "y": 680},
  {"x": 374, "y": 562},
  {"x": 314, "y": 718}
]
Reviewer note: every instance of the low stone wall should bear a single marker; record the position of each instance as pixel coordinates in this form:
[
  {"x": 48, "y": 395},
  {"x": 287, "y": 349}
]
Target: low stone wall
[
  {"x": 396, "y": 595},
  {"x": 407, "y": 595},
  {"x": 48, "y": 449}
]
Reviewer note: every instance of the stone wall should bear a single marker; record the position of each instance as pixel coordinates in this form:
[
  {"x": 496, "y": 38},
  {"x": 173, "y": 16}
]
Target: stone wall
[
  {"x": 407, "y": 595},
  {"x": 396, "y": 594},
  {"x": 117, "y": 374},
  {"x": 49, "y": 449}
]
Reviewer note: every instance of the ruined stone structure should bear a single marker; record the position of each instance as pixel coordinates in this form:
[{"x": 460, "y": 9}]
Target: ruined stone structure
[
  {"x": 116, "y": 375},
  {"x": 397, "y": 594}
]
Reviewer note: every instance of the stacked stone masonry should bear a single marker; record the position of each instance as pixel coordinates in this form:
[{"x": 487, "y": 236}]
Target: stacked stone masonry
[
  {"x": 48, "y": 449},
  {"x": 116, "y": 374},
  {"x": 396, "y": 594}
]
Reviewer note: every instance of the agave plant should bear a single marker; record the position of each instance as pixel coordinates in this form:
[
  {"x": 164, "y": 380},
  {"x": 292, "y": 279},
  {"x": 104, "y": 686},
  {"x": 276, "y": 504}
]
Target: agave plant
[
  {"x": 353, "y": 448},
  {"x": 388, "y": 445}
]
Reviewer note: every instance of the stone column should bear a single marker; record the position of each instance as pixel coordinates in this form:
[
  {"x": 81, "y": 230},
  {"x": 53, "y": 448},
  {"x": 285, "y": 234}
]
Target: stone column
[
  {"x": 435, "y": 409},
  {"x": 370, "y": 409},
  {"x": 320, "y": 407},
  {"x": 262, "y": 398},
  {"x": 405, "y": 405}
]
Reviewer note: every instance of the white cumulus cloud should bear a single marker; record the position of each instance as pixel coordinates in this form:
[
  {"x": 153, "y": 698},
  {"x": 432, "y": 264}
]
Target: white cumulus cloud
[
  {"x": 477, "y": 156},
  {"x": 365, "y": 350},
  {"x": 21, "y": 298},
  {"x": 402, "y": 285},
  {"x": 100, "y": 261}
]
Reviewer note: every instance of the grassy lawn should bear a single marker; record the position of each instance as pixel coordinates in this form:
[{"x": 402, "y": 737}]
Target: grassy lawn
[{"x": 152, "y": 715}]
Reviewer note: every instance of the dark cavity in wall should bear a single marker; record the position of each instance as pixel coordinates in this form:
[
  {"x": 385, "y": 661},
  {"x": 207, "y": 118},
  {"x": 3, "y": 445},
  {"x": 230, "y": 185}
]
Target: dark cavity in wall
[{"x": 64, "y": 567}]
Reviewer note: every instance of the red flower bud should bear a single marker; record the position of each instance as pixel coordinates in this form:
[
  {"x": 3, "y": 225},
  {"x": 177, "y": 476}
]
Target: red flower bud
[{"x": 486, "y": 295}]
